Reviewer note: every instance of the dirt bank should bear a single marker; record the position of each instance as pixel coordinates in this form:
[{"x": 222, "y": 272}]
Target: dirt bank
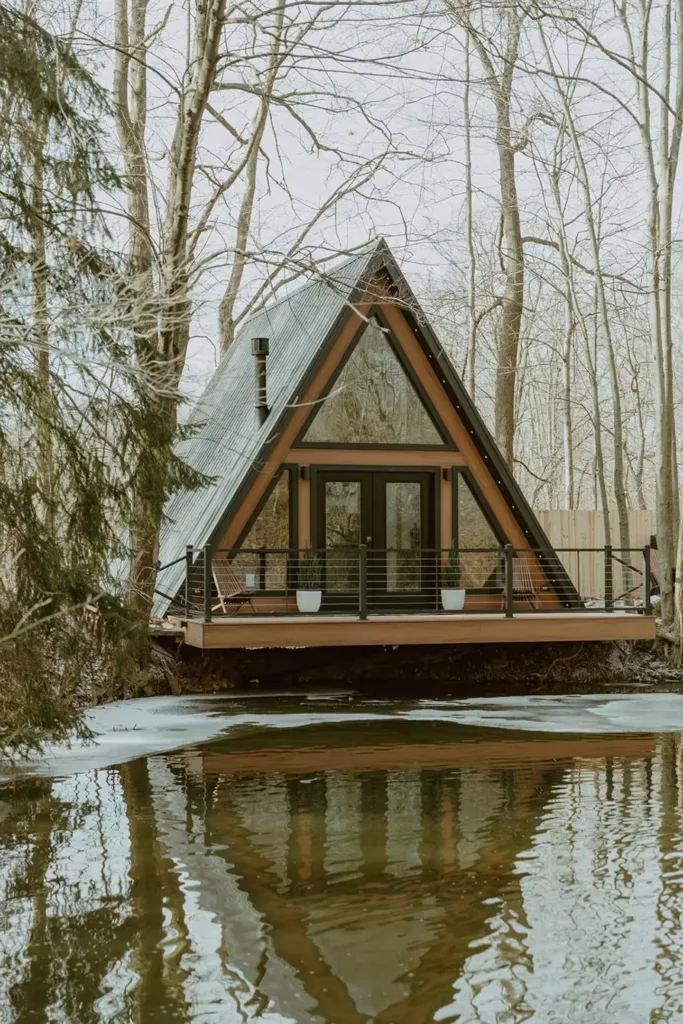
[{"x": 460, "y": 670}]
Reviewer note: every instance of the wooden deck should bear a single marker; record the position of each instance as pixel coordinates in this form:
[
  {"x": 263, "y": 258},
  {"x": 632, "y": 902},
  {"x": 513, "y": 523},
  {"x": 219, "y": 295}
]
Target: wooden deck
[{"x": 348, "y": 631}]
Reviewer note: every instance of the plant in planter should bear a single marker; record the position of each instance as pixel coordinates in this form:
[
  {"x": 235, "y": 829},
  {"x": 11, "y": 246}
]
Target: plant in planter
[
  {"x": 452, "y": 591},
  {"x": 309, "y": 593}
]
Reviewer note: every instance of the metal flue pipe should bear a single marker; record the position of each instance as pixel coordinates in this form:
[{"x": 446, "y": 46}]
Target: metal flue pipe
[{"x": 259, "y": 350}]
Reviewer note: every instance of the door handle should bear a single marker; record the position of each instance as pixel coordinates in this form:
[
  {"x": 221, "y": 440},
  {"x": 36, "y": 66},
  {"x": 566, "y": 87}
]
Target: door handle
[{"x": 368, "y": 540}]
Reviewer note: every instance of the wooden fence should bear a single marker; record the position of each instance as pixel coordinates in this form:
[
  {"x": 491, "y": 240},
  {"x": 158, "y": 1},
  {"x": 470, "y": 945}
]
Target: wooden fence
[{"x": 584, "y": 528}]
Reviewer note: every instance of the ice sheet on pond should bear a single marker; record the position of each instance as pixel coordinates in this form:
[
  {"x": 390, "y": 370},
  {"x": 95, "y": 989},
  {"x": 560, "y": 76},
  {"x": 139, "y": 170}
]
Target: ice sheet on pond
[
  {"x": 586, "y": 714},
  {"x": 125, "y": 730}
]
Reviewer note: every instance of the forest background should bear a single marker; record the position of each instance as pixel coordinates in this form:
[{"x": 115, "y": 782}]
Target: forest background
[{"x": 166, "y": 169}]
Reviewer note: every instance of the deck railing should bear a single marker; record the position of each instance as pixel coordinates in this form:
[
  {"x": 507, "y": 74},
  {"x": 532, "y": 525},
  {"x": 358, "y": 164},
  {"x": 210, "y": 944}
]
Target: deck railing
[{"x": 362, "y": 581}]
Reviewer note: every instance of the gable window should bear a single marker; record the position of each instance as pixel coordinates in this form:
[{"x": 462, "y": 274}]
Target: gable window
[
  {"x": 472, "y": 528},
  {"x": 373, "y": 400},
  {"x": 270, "y": 529}
]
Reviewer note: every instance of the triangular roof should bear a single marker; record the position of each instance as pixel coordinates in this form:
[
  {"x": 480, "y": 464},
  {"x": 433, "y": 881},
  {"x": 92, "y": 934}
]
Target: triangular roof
[{"x": 228, "y": 445}]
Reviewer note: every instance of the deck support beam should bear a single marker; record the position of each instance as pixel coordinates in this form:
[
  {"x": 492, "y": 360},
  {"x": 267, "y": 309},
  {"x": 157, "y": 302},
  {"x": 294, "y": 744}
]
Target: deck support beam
[{"x": 242, "y": 631}]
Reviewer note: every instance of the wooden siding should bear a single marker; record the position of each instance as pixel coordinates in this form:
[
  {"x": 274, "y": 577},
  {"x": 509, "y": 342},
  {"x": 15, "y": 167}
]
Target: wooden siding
[
  {"x": 584, "y": 528},
  {"x": 342, "y": 631}
]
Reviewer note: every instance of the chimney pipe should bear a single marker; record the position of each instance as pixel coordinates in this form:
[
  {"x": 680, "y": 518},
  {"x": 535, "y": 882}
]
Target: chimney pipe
[{"x": 259, "y": 349}]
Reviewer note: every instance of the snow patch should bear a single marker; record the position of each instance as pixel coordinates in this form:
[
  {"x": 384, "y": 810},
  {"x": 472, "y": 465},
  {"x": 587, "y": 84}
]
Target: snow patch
[{"x": 125, "y": 730}]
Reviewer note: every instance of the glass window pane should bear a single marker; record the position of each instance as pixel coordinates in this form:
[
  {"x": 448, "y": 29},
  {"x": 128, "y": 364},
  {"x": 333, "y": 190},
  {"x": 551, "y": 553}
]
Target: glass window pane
[
  {"x": 342, "y": 531},
  {"x": 373, "y": 401},
  {"x": 404, "y": 533},
  {"x": 271, "y": 530},
  {"x": 475, "y": 531}
]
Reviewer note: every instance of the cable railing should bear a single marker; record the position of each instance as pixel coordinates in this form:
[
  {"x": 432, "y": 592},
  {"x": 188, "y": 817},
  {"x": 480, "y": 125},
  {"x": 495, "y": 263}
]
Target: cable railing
[{"x": 362, "y": 581}]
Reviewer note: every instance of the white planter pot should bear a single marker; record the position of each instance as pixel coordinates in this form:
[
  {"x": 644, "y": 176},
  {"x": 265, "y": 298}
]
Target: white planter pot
[
  {"x": 308, "y": 601},
  {"x": 452, "y": 600}
]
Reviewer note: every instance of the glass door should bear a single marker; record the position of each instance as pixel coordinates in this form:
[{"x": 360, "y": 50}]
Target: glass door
[
  {"x": 393, "y": 513},
  {"x": 344, "y": 522},
  {"x": 403, "y": 532}
]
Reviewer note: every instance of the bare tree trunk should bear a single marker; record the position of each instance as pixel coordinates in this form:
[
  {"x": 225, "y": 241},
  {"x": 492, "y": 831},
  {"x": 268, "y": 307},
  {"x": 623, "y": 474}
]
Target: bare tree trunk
[
  {"x": 639, "y": 470},
  {"x": 160, "y": 313},
  {"x": 226, "y": 312},
  {"x": 512, "y": 248},
  {"x": 604, "y": 320},
  {"x": 130, "y": 96},
  {"x": 669, "y": 150},
  {"x": 660, "y": 198},
  {"x": 591, "y": 362},
  {"x": 40, "y": 326},
  {"x": 513, "y": 299},
  {"x": 569, "y": 328},
  {"x": 469, "y": 229},
  {"x": 567, "y": 440}
]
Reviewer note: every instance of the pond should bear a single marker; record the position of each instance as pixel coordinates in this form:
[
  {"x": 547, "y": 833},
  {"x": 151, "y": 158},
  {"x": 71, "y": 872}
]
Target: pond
[{"x": 344, "y": 860}]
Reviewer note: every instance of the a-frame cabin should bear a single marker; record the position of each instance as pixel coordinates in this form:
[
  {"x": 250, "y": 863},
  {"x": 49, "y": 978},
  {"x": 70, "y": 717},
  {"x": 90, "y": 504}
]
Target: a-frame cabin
[{"x": 347, "y": 458}]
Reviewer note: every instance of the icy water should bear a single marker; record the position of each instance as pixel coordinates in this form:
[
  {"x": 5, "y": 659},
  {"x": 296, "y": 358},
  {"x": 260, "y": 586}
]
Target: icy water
[{"x": 342, "y": 860}]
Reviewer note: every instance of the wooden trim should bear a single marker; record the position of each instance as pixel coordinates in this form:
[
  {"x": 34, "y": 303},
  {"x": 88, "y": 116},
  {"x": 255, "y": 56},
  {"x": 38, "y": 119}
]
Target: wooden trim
[
  {"x": 446, "y": 514},
  {"x": 437, "y": 484},
  {"x": 350, "y": 446},
  {"x": 340, "y": 631},
  {"x": 304, "y": 513},
  {"x": 293, "y": 504},
  {"x": 398, "y": 457}
]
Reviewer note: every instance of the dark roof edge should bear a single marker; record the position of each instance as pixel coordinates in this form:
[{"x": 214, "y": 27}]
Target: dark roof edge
[
  {"x": 321, "y": 276},
  {"x": 479, "y": 432}
]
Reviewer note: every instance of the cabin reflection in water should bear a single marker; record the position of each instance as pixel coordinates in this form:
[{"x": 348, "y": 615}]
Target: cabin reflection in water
[{"x": 509, "y": 878}]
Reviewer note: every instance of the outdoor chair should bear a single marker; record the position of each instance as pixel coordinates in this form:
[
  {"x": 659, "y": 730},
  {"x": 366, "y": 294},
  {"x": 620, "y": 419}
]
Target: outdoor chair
[
  {"x": 523, "y": 588},
  {"x": 230, "y": 590}
]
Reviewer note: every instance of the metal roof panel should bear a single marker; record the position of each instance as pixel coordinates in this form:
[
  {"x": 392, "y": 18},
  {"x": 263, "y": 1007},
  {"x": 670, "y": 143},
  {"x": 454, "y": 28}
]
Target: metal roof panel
[{"x": 228, "y": 441}]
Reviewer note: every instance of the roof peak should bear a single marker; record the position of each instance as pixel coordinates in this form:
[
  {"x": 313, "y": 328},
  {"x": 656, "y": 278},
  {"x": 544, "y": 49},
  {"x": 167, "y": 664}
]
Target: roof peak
[{"x": 368, "y": 250}]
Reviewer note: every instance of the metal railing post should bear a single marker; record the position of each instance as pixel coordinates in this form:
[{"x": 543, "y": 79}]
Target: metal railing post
[
  {"x": 509, "y": 594},
  {"x": 207, "y": 583},
  {"x": 188, "y": 573},
  {"x": 363, "y": 582},
  {"x": 290, "y": 571},
  {"x": 647, "y": 581},
  {"x": 609, "y": 592},
  {"x": 262, "y": 568}
]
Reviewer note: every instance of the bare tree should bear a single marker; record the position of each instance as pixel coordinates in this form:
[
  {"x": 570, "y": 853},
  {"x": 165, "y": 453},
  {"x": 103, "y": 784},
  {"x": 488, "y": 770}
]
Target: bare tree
[
  {"x": 568, "y": 124},
  {"x": 159, "y": 280},
  {"x": 499, "y": 81}
]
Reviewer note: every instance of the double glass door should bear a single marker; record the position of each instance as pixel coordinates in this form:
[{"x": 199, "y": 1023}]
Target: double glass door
[{"x": 390, "y": 512}]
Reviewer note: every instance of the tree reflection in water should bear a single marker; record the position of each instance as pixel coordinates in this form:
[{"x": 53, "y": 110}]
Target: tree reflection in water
[{"x": 391, "y": 872}]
